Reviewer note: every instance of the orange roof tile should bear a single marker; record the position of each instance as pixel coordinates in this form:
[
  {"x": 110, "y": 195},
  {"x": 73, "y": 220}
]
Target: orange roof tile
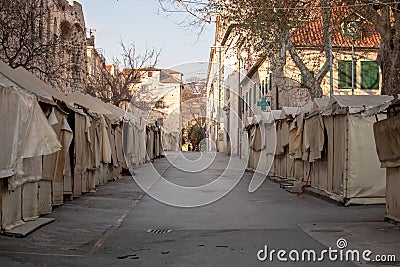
[{"x": 311, "y": 35}]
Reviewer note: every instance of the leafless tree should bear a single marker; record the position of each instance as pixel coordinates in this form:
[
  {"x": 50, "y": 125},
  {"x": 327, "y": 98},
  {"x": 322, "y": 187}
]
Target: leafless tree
[
  {"x": 195, "y": 85},
  {"x": 114, "y": 83},
  {"x": 265, "y": 29},
  {"x": 26, "y": 39},
  {"x": 264, "y": 19}
]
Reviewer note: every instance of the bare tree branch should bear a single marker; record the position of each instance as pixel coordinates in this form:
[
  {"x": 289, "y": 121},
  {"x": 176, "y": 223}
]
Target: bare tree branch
[
  {"x": 26, "y": 42},
  {"x": 114, "y": 83}
]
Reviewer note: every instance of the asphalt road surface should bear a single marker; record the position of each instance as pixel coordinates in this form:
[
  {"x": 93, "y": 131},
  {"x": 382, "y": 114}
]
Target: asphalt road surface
[{"x": 119, "y": 225}]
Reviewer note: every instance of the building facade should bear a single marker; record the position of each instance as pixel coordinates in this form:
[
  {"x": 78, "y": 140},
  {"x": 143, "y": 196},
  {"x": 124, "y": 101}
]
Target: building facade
[
  {"x": 48, "y": 38},
  {"x": 69, "y": 24},
  {"x": 159, "y": 93},
  {"x": 260, "y": 84}
]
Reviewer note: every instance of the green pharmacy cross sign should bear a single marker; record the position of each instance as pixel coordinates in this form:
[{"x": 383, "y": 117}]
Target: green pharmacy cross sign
[{"x": 263, "y": 104}]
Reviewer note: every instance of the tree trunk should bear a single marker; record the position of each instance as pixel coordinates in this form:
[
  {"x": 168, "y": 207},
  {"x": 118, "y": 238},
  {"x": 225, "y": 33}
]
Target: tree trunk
[
  {"x": 278, "y": 62},
  {"x": 389, "y": 61}
]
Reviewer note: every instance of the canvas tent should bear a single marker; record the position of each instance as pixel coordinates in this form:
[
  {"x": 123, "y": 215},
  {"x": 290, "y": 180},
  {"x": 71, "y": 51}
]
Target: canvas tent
[
  {"x": 26, "y": 137},
  {"x": 261, "y": 136},
  {"x": 285, "y": 166},
  {"x": 56, "y": 146},
  {"x": 338, "y": 145},
  {"x": 98, "y": 142},
  {"x": 314, "y": 149},
  {"x": 295, "y": 169},
  {"x": 387, "y": 136},
  {"x": 56, "y": 167}
]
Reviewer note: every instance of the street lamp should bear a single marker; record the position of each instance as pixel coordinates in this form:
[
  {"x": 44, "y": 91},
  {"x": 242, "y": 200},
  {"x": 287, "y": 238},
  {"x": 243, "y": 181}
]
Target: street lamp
[{"x": 352, "y": 30}]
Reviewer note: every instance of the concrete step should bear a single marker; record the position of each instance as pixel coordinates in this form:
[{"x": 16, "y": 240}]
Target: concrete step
[{"x": 28, "y": 227}]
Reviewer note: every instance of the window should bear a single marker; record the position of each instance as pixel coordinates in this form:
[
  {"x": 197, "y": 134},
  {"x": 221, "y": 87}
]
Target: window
[
  {"x": 369, "y": 75},
  {"x": 263, "y": 88},
  {"x": 344, "y": 74},
  {"x": 255, "y": 93},
  {"x": 247, "y": 101},
  {"x": 303, "y": 78}
]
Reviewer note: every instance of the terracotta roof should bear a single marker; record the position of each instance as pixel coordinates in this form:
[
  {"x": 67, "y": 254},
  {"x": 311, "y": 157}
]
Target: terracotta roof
[
  {"x": 149, "y": 69},
  {"x": 311, "y": 35},
  {"x": 169, "y": 71}
]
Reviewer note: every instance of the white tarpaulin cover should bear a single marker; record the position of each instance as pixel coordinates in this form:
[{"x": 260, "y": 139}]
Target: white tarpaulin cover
[
  {"x": 351, "y": 160},
  {"x": 365, "y": 178},
  {"x": 357, "y": 103},
  {"x": 31, "y": 83},
  {"x": 25, "y": 133}
]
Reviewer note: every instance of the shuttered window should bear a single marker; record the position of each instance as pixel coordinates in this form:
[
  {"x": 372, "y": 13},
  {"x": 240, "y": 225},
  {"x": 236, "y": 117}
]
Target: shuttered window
[
  {"x": 263, "y": 88},
  {"x": 255, "y": 93},
  {"x": 247, "y": 101},
  {"x": 344, "y": 74},
  {"x": 369, "y": 75}
]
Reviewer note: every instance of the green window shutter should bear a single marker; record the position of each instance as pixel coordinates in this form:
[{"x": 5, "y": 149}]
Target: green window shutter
[
  {"x": 344, "y": 74},
  {"x": 266, "y": 85},
  {"x": 369, "y": 75}
]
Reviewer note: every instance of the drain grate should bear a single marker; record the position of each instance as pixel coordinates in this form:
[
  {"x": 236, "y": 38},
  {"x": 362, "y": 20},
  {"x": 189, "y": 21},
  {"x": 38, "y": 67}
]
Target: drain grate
[{"x": 159, "y": 231}]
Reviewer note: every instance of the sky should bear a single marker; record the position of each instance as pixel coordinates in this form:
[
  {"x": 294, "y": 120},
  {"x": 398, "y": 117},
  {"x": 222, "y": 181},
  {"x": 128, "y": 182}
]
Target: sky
[{"x": 143, "y": 23}]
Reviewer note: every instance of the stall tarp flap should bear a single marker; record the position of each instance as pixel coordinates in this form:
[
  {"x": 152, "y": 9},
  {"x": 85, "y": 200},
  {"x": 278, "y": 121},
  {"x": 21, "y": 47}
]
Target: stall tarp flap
[
  {"x": 106, "y": 146},
  {"x": 257, "y": 143},
  {"x": 296, "y": 137},
  {"x": 366, "y": 104},
  {"x": 314, "y": 138},
  {"x": 282, "y": 136},
  {"x": 26, "y": 132},
  {"x": 365, "y": 177},
  {"x": 387, "y": 141}
]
